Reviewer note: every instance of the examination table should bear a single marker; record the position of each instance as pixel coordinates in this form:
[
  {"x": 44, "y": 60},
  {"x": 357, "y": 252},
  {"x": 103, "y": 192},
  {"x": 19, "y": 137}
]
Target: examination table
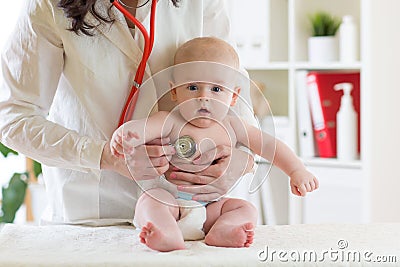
[{"x": 285, "y": 245}]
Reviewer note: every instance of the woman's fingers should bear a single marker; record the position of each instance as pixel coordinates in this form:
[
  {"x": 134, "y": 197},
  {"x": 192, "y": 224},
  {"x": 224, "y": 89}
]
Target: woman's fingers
[
  {"x": 188, "y": 167},
  {"x": 202, "y": 192},
  {"x": 159, "y": 162},
  {"x": 217, "y": 179},
  {"x": 217, "y": 170},
  {"x": 207, "y": 197},
  {"x": 209, "y": 156},
  {"x": 192, "y": 178},
  {"x": 160, "y": 141},
  {"x": 150, "y": 160},
  {"x": 141, "y": 168},
  {"x": 154, "y": 151}
]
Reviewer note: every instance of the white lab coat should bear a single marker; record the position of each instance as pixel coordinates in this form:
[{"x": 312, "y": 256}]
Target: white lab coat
[{"x": 63, "y": 93}]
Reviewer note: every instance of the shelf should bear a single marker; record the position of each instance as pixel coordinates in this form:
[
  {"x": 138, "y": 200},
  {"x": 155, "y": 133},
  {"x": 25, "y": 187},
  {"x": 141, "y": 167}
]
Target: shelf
[
  {"x": 305, "y": 65},
  {"x": 275, "y": 64},
  {"x": 324, "y": 162},
  {"x": 332, "y": 162},
  {"x": 284, "y": 65},
  {"x": 327, "y": 66}
]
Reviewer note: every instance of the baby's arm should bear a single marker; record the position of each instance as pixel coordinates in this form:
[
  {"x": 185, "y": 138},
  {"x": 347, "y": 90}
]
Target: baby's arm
[
  {"x": 138, "y": 132},
  {"x": 275, "y": 151}
]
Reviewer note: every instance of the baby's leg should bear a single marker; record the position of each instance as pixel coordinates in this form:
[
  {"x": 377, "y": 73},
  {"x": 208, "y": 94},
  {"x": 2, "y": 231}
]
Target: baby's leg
[
  {"x": 156, "y": 213},
  {"x": 230, "y": 223}
]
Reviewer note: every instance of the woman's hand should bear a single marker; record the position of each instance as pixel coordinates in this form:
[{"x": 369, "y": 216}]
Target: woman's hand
[
  {"x": 147, "y": 161},
  {"x": 213, "y": 173},
  {"x": 302, "y": 182}
]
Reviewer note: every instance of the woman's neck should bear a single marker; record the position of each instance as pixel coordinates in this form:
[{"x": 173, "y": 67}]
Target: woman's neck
[{"x": 133, "y": 4}]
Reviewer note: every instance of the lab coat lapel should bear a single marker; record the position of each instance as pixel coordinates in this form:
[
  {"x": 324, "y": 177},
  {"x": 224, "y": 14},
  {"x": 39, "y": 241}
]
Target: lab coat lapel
[
  {"x": 118, "y": 32},
  {"x": 120, "y": 35}
]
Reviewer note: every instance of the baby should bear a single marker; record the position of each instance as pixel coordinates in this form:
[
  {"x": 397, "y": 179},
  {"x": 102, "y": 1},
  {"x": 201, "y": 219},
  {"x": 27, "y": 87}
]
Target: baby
[{"x": 200, "y": 122}]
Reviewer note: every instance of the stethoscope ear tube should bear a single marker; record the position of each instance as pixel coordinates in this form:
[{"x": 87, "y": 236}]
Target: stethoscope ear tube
[{"x": 130, "y": 104}]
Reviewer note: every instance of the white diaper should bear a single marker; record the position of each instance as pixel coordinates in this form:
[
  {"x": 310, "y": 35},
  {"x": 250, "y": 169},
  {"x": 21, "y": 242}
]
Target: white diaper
[
  {"x": 192, "y": 218},
  {"x": 192, "y": 213}
]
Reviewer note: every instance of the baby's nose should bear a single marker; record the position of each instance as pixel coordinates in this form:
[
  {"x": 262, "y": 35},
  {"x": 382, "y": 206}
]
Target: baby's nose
[{"x": 203, "y": 99}]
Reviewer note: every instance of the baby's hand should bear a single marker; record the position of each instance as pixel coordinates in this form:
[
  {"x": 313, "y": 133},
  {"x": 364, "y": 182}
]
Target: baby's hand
[
  {"x": 120, "y": 142},
  {"x": 302, "y": 181}
]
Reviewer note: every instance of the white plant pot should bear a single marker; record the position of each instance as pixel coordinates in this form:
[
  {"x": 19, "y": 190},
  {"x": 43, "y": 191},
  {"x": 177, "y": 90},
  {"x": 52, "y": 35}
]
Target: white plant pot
[
  {"x": 323, "y": 49},
  {"x": 38, "y": 200}
]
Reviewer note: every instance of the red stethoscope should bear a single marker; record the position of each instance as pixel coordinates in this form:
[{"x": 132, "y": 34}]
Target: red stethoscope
[{"x": 148, "y": 46}]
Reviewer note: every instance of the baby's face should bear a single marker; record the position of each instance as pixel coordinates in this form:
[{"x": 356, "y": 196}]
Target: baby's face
[{"x": 203, "y": 104}]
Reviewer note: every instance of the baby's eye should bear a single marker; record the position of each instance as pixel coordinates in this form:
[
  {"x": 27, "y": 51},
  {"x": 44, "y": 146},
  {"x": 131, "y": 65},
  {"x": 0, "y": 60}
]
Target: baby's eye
[
  {"x": 216, "y": 89},
  {"x": 192, "y": 87}
]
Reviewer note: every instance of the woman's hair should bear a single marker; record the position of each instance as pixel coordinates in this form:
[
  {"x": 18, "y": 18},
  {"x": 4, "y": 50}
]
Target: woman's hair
[{"x": 76, "y": 10}]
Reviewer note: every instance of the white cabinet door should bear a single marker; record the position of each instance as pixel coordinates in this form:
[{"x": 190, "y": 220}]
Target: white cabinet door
[{"x": 339, "y": 198}]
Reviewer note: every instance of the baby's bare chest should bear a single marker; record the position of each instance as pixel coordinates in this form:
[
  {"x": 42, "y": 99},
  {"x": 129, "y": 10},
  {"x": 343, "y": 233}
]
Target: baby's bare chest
[{"x": 205, "y": 139}]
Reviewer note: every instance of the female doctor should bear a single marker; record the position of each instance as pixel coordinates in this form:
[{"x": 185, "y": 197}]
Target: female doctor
[{"x": 68, "y": 69}]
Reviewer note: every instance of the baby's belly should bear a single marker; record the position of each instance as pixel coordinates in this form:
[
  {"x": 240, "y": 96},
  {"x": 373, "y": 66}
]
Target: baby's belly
[
  {"x": 205, "y": 139},
  {"x": 191, "y": 143}
]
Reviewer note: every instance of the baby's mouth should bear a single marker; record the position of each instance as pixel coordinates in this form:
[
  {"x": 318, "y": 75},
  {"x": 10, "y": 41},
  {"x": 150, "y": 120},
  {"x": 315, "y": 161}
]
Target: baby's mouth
[{"x": 204, "y": 111}]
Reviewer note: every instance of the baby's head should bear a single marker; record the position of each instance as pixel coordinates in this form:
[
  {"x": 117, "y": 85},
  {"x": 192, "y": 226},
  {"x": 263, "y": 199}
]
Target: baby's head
[
  {"x": 204, "y": 99},
  {"x": 207, "y": 49}
]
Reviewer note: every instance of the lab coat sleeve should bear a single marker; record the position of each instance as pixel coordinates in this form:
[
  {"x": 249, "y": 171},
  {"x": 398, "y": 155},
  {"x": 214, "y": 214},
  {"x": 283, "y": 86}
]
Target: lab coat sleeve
[{"x": 32, "y": 63}]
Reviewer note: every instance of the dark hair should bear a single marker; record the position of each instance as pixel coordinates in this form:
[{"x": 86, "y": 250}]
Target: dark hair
[{"x": 76, "y": 10}]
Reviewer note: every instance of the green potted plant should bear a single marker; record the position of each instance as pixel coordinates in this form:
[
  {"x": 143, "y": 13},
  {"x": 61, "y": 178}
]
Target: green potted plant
[
  {"x": 13, "y": 194},
  {"x": 322, "y": 45}
]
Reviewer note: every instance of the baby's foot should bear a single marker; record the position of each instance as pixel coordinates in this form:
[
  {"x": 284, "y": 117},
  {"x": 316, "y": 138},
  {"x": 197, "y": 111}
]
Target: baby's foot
[
  {"x": 231, "y": 235},
  {"x": 156, "y": 239}
]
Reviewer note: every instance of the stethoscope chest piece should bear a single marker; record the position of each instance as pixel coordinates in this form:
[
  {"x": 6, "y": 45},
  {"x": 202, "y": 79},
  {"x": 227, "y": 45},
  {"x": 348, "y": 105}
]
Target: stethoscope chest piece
[{"x": 185, "y": 147}]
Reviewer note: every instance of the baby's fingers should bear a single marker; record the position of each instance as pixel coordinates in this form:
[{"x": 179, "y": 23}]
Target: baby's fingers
[
  {"x": 299, "y": 190},
  {"x": 302, "y": 189},
  {"x": 129, "y": 135},
  {"x": 308, "y": 187},
  {"x": 117, "y": 154},
  {"x": 116, "y": 149},
  {"x": 316, "y": 182},
  {"x": 295, "y": 191},
  {"x": 312, "y": 185}
]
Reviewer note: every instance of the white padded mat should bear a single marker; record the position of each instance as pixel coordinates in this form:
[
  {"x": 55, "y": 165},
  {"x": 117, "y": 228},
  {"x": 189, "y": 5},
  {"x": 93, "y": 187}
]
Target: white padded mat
[{"x": 289, "y": 245}]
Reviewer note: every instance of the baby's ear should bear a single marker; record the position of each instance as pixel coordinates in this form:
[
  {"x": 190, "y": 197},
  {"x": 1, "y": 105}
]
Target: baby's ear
[
  {"x": 235, "y": 96},
  {"x": 172, "y": 91}
]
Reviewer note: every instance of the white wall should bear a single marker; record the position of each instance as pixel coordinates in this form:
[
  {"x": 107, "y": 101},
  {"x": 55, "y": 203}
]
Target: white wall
[
  {"x": 8, "y": 17},
  {"x": 383, "y": 124}
]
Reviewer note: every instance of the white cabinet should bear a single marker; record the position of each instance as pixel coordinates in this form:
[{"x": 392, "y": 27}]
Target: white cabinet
[
  {"x": 339, "y": 198},
  {"x": 285, "y": 25}
]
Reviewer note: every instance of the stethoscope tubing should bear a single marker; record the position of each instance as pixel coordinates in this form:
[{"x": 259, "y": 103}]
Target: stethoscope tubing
[{"x": 130, "y": 103}]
